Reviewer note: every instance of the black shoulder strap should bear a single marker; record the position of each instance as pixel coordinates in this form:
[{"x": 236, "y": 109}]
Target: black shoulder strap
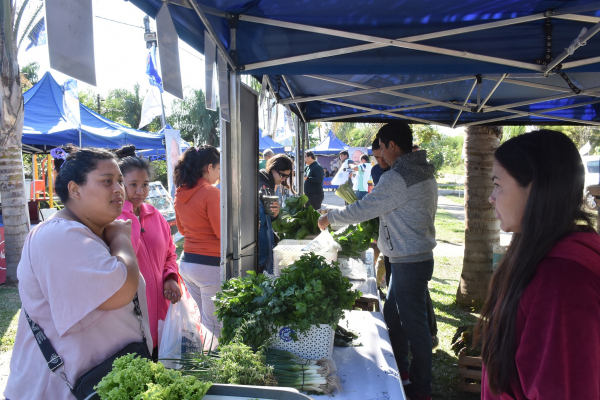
[{"x": 52, "y": 358}]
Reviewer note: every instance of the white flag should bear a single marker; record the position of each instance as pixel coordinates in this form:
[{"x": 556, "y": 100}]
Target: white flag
[
  {"x": 151, "y": 107},
  {"x": 585, "y": 149}
]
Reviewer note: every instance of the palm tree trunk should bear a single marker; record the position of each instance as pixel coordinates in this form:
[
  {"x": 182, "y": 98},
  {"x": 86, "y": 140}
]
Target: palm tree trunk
[
  {"x": 482, "y": 229},
  {"x": 14, "y": 205}
]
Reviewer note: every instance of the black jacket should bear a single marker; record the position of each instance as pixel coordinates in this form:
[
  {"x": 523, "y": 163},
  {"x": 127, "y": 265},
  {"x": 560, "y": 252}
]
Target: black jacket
[{"x": 314, "y": 179}]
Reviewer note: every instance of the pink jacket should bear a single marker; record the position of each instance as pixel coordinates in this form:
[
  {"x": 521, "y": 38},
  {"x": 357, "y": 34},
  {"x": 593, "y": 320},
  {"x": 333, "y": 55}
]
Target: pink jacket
[{"x": 156, "y": 256}]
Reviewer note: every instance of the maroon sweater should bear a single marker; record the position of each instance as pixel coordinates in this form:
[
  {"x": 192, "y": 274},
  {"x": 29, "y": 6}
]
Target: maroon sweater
[{"x": 558, "y": 326}]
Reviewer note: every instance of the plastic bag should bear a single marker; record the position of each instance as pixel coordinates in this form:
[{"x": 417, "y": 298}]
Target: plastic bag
[
  {"x": 180, "y": 335},
  {"x": 353, "y": 268},
  {"x": 322, "y": 243}
]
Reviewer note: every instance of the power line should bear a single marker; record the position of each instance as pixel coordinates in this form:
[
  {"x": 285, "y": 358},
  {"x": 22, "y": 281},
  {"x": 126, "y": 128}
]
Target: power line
[
  {"x": 119, "y": 22},
  {"x": 192, "y": 54}
]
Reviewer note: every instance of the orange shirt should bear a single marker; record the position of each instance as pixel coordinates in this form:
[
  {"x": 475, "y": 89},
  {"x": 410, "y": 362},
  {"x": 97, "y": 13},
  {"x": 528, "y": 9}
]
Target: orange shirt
[{"x": 198, "y": 215}]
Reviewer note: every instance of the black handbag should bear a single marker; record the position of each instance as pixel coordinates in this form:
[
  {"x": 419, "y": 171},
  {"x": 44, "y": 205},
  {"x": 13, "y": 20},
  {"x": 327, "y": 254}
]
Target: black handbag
[{"x": 84, "y": 387}]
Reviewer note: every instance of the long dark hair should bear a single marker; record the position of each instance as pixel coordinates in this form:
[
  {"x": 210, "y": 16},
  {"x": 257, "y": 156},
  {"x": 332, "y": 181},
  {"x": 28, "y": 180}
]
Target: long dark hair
[
  {"x": 129, "y": 161},
  {"x": 278, "y": 163},
  {"x": 78, "y": 164},
  {"x": 551, "y": 163},
  {"x": 191, "y": 163}
]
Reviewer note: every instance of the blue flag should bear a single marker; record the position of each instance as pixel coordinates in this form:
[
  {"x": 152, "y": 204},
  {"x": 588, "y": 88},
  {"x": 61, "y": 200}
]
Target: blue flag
[
  {"x": 151, "y": 71},
  {"x": 37, "y": 35}
]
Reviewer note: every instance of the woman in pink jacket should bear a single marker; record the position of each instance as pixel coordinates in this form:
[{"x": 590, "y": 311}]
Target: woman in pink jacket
[{"x": 152, "y": 241}]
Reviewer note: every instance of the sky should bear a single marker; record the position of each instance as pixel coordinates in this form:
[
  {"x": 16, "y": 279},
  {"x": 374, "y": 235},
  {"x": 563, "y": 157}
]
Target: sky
[
  {"x": 120, "y": 51},
  {"x": 120, "y": 54}
]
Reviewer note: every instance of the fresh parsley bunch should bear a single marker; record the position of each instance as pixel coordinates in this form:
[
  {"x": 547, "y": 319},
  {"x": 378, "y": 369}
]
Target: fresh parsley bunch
[{"x": 308, "y": 292}]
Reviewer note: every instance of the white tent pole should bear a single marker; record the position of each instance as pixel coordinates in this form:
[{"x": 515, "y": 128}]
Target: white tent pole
[
  {"x": 528, "y": 102},
  {"x": 584, "y": 38},
  {"x": 292, "y": 95},
  {"x": 465, "y": 102},
  {"x": 579, "y": 63},
  {"x": 480, "y": 106},
  {"x": 339, "y": 103}
]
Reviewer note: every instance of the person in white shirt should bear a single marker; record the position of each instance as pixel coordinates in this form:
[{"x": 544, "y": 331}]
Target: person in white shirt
[{"x": 363, "y": 175}]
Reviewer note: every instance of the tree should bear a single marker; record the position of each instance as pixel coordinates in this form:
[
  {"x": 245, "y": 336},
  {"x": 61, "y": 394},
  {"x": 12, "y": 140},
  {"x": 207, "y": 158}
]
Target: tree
[
  {"x": 29, "y": 75},
  {"x": 482, "y": 228},
  {"x": 14, "y": 206},
  {"x": 124, "y": 107},
  {"x": 197, "y": 124}
]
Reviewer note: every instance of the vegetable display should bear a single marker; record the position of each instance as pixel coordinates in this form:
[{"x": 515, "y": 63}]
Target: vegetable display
[
  {"x": 308, "y": 292},
  {"x": 233, "y": 363},
  {"x": 295, "y": 220},
  {"x": 136, "y": 378},
  {"x": 355, "y": 239}
]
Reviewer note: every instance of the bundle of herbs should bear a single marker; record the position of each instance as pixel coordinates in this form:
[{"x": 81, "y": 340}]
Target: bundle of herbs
[
  {"x": 346, "y": 192},
  {"x": 309, "y": 292},
  {"x": 295, "y": 220}
]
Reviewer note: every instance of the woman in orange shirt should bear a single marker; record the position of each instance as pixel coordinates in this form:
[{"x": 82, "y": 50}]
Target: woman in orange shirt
[{"x": 198, "y": 214}]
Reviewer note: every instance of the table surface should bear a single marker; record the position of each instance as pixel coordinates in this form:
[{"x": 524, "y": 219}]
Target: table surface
[{"x": 368, "y": 372}]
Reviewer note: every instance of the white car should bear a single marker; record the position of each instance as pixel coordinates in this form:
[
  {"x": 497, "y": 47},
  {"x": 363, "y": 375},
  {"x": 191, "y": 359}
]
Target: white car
[{"x": 592, "y": 177}]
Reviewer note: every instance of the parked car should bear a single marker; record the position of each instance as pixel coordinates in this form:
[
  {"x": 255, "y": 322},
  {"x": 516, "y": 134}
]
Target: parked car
[
  {"x": 160, "y": 199},
  {"x": 592, "y": 177}
]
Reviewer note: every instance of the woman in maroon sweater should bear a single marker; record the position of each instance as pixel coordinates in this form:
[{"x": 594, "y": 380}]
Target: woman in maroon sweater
[{"x": 540, "y": 325}]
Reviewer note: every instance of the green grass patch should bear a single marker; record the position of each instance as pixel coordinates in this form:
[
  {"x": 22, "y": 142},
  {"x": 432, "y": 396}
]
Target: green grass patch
[
  {"x": 455, "y": 198},
  {"x": 10, "y": 307},
  {"x": 450, "y": 316},
  {"x": 179, "y": 245},
  {"x": 448, "y": 228}
]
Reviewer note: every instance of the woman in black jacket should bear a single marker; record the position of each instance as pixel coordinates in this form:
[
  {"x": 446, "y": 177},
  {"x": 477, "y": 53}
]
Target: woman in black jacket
[{"x": 277, "y": 172}]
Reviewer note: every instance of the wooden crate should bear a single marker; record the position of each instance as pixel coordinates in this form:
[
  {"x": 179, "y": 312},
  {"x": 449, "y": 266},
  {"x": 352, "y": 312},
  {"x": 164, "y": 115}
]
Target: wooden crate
[{"x": 469, "y": 373}]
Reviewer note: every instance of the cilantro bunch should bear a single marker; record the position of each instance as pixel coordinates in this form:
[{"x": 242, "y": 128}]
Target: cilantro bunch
[
  {"x": 308, "y": 292},
  {"x": 136, "y": 378},
  {"x": 295, "y": 220}
]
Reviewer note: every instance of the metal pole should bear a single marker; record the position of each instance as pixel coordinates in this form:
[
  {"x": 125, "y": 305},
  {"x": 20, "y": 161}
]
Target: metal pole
[
  {"x": 163, "y": 118},
  {"x": 480, "y": 106},
  {"x": 299, "y": 173},
  {"x": 591, "y": 32},
  {"x": 464, "y": 104},
  {"x": 234, "y": 209},
  {"x": 50, "y": 182}
]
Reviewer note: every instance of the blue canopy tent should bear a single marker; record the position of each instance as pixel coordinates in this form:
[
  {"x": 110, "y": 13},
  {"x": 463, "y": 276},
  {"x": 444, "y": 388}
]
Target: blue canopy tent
[
  {"x": 330, "y": 146},
  {"x": 159, "y": 153},
  {"x": 447, "y": 63},
  {"x": 265, "y": 142},
  {"x": 46, "y": 126}
]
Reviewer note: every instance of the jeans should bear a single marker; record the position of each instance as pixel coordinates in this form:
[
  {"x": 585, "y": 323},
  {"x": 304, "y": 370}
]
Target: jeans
[
  {"x": 405, "y": 314},
  {"x": 360, "y": 194},
  {"x": 203, "y": 282}
]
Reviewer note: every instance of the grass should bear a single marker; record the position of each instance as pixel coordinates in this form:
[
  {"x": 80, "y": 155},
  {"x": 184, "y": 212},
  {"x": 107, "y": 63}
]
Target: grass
[
  {"x": 179, "y": 245},
  {"x": 449, "y": 314},
  {"x": 455, "y": 198},
  {"x": 10, "y": 307},
  {"x": 448, "y": 228}
]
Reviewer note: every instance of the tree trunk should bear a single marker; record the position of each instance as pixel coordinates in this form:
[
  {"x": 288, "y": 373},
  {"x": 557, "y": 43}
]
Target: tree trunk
[
  {"x": 482, "y": 228},
  {"x": 14, "y": 205}
]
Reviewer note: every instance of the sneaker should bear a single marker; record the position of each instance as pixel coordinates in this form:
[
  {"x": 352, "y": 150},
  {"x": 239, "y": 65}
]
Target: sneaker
[
  {"x": 404, "y": 377},
  {"x": 435, "y": 342},
  {"x": 411, "y": 394}
]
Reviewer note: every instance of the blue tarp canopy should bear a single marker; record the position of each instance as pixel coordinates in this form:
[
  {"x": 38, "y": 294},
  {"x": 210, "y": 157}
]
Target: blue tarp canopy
[
  {"x": 330, "y": 146},
  {"x": 444, "y": 62},
  {"x": 265, "y": 142},
  {"x": 46, "y": 124}
]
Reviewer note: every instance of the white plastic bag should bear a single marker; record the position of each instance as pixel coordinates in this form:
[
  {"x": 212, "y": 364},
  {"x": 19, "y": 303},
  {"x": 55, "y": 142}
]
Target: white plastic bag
[
  {"x": 322, "y": 243},
  {"x": 180, "y": 335}
]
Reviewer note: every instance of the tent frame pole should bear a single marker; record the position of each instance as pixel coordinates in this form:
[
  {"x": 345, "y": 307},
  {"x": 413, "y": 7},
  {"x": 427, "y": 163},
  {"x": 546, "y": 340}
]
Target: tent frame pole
[
  {"x": 480, "y": 106},
  {"x": 384, "y": 112},
  {"x": 591, "y": 32},
  {"x": 392, "y": 110},
  {"x": 292, "y": 95},
  {"x": 388, "y": 90},
  {"x": 465, "y": 103}
]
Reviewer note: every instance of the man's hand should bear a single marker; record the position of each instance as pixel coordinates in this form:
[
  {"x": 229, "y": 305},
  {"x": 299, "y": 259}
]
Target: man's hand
[
  {"x": 275, "y": 208},
  {"x": 305, "y": 177},
  {"x": 323, "y": 222},
  {"x": 171, "y": 291}
]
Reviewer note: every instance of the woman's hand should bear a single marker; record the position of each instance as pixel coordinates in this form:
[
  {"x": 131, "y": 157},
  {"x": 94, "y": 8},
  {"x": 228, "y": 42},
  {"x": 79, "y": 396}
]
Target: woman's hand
[
  {"x": 275, "y": 209},
  {"x": 171, "y": 291},
  {"x": 115, "y": 229}
]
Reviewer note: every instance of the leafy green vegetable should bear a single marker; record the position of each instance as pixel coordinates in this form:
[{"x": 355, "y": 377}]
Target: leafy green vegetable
[
  {"x": 308, "y": 292},
  {"x": 233, "y": 363},
  {"x": 136, "y": 378},
  {"x": 355, "y": 239},
  {"x": 346, "y": 192},
  {"x": 295, "y": 220}
]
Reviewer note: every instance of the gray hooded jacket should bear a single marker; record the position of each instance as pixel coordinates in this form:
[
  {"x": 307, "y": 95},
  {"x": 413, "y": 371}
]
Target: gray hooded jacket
[{"x": 405, "y": 200}]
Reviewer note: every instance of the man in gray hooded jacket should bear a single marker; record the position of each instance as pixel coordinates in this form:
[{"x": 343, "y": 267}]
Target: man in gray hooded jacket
[{"x": 405, "y": 200}]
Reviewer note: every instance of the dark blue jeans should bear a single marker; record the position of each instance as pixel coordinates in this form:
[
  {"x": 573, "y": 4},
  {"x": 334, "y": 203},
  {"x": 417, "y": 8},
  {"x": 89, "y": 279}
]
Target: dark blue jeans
[{"x": 405, "y": 314}]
